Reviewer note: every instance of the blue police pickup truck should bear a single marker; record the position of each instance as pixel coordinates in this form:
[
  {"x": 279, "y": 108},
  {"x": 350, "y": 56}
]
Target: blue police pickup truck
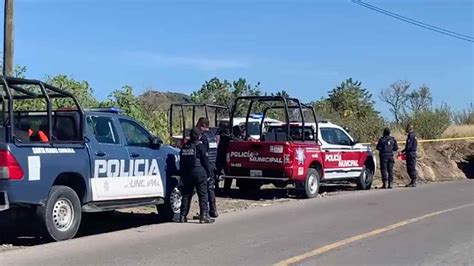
[{"x": 59, "y": 160}]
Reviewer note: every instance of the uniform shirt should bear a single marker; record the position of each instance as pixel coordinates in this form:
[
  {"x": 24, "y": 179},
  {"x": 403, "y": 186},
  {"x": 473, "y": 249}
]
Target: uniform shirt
[
  {"x": 387, "y": 145},
  {"x": 411, "y": 144},
  {"x": 193, "y": 156},
  {"x": 210, "y": 142}
]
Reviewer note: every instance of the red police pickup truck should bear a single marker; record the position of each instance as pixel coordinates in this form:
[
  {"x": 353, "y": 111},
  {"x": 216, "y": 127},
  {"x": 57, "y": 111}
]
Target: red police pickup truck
[{"x": 302, "y": 153}]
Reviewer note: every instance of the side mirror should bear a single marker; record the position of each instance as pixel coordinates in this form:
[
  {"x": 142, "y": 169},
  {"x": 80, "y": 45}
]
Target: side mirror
[{"x": 155, "y": 142}]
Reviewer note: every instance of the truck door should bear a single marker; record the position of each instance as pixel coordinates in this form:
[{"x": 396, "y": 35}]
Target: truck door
[
  {"x": 109, "y": 159},
  {"x": 149, "y": 162},
  {"x": 340, "y": 159}
]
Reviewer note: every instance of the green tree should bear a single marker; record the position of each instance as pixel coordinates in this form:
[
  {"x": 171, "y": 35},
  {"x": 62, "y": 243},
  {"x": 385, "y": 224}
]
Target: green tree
[
  {"x": 80, "y": 89},
  {"x": 224, "y": 92},
  {"x": 420, "y": 100},
  {"x": 351, "y": 106},
  {"x": 125, "y": 99}
]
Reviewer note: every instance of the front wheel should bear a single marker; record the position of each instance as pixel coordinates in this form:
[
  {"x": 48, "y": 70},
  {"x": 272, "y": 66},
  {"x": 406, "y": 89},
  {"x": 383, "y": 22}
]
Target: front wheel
[
  {"x": 365, "y": 179},
  {"x": 170, "y": 210},
  {"x": 311, "y": 184},
  {"x": 61, "y": 215}
]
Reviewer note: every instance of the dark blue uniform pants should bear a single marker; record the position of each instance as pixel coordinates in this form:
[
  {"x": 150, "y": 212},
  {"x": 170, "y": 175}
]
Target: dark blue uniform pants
[
  {"x": 411, "y": 166},
  {"x": 386, "y": 168},
  {"x": 211, "y": 193},
  {"x": 189, "y": 183}
]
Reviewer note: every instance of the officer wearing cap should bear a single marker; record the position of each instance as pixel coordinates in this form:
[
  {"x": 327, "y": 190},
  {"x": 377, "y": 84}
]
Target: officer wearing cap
[
  {"x": 210, "y": 143},
  {"x": 194, "y": 166},
  {"x": 386, "y": 146},
  {"x": 410, "y": 153}
]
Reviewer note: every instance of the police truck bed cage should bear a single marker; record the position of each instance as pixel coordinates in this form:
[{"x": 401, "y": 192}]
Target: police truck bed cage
[
  {"x": 181, "y": 111},
  {"x": 287, "y": 104},
  {"x": 17, "y": 89}
]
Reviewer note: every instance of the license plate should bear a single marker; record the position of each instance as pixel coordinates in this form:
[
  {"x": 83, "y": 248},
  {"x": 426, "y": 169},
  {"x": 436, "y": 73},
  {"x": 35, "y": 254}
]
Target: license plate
[{"x": 256, "y": 173}]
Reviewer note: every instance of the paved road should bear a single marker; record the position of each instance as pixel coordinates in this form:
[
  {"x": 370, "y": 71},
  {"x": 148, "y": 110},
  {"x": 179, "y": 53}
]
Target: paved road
[{"x": 443, "y": 232}]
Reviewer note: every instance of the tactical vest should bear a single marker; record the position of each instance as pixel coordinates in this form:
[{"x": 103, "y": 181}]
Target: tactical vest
[
  {"x": 387, "y": 148},
  {"x": 212, "y": 146},
  {"x": 188, "y": 157}
]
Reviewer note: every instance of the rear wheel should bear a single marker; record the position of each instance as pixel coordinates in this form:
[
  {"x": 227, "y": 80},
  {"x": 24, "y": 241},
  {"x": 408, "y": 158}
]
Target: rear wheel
[
  {"x": 62, "y": 214},
  {"x": 170, "y": 210},
  {"x": 365, "y": 179},
  {"x": 311, "y": 184}
]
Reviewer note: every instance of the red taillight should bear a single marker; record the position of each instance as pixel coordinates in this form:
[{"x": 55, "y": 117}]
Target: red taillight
[
  {"x": 287, "y": 155},
  {"x": 9, "y": 167}
]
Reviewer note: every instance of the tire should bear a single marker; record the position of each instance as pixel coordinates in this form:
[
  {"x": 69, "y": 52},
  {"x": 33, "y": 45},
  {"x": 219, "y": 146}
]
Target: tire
[
  {"x": 249, "y": 187},
  {"x": 170, "y": 210},
  {"x": 311, "y": 184},
  {"x": 365, "y": 179},
  {"x": 62, "y": 213}
]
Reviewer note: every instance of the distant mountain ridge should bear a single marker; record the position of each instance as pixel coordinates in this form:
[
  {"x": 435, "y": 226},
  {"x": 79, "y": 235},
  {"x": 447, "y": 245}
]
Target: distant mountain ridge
[{"x": 154, "y": 100}]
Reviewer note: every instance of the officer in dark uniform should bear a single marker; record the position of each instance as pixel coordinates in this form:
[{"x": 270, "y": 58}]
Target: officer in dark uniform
[
  {"x": 223, "y": 143},
  {"x": 210, "y": 143},
  {"x": 410, "y": 153},
  {"x": 237, "y": 135},
  {"x": 195, "y": 171},
  {"x": 386, "y": 146}
]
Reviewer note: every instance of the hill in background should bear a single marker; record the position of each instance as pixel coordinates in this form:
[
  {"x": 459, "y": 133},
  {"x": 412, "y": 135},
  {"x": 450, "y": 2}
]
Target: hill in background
[{"x": 160, "y": 101}]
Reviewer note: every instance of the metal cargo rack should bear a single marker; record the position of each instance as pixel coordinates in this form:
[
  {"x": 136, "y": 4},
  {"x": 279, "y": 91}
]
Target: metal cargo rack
[{"x": 13, "y": 89}]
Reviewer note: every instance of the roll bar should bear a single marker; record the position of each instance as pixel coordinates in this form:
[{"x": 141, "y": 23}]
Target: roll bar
[{"x": 13, "y": 91}]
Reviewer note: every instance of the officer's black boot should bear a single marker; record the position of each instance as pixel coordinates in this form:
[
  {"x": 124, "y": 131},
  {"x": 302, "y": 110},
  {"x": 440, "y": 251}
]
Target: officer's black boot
[
  {"x": 384, "y": 186},
  {"x": 214, "y": 214},
  {"x": 389, "y": 185},
  {"x": 183, "y": 219},
  {"x": 412, "y": 183},
  {"x": 205, "y": 219}
]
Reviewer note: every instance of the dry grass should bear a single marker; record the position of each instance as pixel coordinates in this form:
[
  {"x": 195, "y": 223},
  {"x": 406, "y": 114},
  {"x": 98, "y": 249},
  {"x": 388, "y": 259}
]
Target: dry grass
[{"x": 459, "y": 131}]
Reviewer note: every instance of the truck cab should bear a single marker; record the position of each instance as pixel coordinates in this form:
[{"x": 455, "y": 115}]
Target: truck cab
[{"x": 58, "y": 160}]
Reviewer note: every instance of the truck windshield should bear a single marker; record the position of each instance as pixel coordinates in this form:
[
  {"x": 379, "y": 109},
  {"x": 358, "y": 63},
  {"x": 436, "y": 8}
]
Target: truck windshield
[
  {"x": 253, "y": 128},
  {"x": 296, "y": 132}
]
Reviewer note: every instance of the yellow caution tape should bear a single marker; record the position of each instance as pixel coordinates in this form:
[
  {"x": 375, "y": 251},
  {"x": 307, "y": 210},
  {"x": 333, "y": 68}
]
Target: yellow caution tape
[{"x": 431, "y": 140}]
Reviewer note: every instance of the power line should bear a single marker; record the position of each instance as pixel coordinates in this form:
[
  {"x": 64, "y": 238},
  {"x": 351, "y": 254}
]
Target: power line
[{"x": 416, "y": 22}]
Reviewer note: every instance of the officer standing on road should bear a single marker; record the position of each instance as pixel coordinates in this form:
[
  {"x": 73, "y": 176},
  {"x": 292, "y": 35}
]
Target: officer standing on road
[
  {"x": 386, "y": 146},
  {"x": 223, "y": 143},
  {"x": 195, "y": 171},
  {"x": 210, "y": 143},
  {"x": 410, "y": 153}
]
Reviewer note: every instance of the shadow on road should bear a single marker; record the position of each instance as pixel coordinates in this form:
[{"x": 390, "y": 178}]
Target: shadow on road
[
  {"x": 92, "y": 224},
  {"x": 273, "y": 193},
  {"x": 27, "y": 234}
]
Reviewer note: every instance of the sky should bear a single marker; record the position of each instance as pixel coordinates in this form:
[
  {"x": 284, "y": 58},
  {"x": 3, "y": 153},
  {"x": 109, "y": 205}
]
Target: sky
[{"x": 304, "y": 47}]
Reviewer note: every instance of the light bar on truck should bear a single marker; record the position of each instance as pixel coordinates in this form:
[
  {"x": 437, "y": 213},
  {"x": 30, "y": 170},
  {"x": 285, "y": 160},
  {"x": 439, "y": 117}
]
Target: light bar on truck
[{"x": 113, "y": 110}]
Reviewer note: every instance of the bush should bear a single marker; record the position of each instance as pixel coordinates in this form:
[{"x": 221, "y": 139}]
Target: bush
[
  {"x": 430, "y": 124},
  {"x": 464, "y": 117}
]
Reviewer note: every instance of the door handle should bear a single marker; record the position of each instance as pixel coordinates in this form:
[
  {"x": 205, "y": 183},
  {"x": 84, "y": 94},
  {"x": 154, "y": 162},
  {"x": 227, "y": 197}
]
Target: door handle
[
  {"x": 134, "y": 155},
  {"x": 100, "y": 154}
]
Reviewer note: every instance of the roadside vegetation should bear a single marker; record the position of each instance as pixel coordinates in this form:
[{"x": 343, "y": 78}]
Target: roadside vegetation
[{"x": 348, "y": 104}]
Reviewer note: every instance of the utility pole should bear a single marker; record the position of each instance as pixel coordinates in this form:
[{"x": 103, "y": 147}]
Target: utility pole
[{"x": 8, "y": 39}]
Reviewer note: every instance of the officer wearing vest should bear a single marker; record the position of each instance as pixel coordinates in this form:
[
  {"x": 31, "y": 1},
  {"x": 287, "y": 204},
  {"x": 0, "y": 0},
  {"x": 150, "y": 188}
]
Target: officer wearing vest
[
  {"x": 210, "y": 142},
  {"x": 194, "y": 167},
  {"x": 386, "y": 146},
  {"x": 410, "y": 152}
]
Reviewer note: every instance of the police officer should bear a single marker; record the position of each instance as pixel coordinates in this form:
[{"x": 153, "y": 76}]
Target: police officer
[
  {"x": 237, "y": 135},
  {"x": 223, "y": 143},
  {"x": 210, "y": 143},
  {"x": 195, "y": 170},
  {"x": 386, "y": 146},
  {"x": 410, "y": 153}
]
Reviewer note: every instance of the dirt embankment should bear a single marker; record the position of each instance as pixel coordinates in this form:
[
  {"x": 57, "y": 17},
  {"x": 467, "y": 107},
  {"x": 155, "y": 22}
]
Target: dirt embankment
[{"x": 439, "y": 161}]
